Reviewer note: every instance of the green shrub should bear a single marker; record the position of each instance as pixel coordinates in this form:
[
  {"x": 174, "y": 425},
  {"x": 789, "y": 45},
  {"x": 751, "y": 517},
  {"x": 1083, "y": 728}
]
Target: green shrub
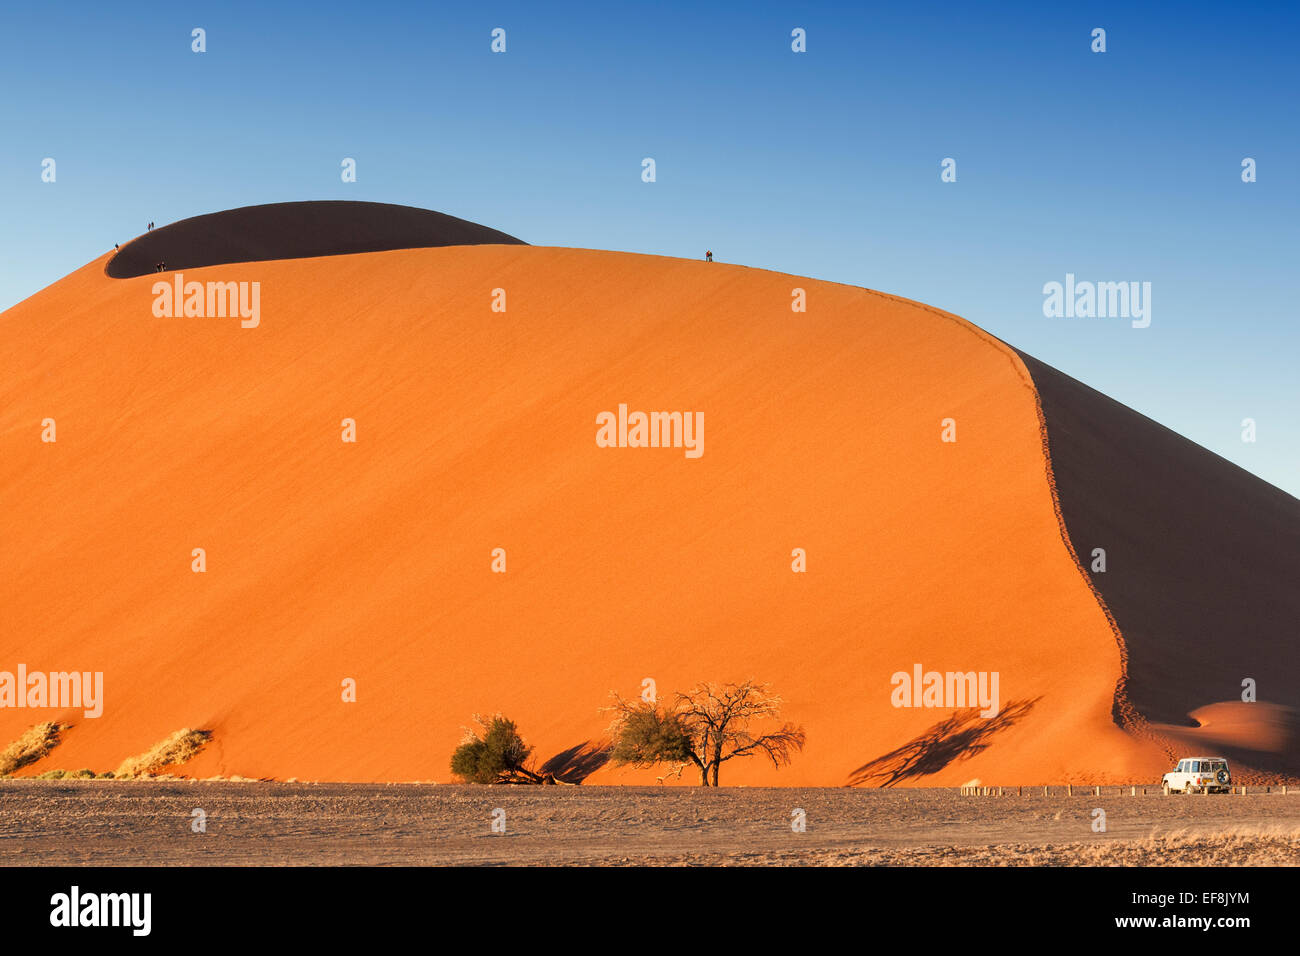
[{"x": 495, "y": 752}]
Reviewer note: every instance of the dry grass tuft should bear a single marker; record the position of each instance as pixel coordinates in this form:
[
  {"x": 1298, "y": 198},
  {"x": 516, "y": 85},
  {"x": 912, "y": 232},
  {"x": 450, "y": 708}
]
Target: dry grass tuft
[
  {"x": 176, "y": 749},
  {"x": 1248, "y": 845},
  {"x": 30, "y": 747}
]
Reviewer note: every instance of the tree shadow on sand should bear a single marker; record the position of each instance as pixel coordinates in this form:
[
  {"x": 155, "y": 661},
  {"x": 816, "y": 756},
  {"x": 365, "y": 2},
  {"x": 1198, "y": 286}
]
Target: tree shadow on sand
[
  {"x": 959, "y": 737},
  {"x": 578, "y": 762}
]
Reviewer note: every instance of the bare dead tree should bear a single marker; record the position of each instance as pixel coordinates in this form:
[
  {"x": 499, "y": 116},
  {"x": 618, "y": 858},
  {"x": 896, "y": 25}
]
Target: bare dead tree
[{"x": 706, "y": 726}]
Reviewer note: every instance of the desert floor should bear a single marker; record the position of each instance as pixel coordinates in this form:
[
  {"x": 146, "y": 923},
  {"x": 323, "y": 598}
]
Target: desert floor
[{"x": 262, "y": 823}]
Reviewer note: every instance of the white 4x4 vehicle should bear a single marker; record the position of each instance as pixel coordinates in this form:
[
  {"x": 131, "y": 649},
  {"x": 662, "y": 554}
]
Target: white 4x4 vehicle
[{"x": 1207, "y": 774}]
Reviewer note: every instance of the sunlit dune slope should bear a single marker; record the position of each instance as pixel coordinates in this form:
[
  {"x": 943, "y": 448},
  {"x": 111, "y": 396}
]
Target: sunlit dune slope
[{"x": 476, "y": 430}]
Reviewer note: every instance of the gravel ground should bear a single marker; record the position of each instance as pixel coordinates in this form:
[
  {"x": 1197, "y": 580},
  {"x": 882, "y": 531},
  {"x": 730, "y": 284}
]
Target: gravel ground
[{"x": 261, "y": 823}]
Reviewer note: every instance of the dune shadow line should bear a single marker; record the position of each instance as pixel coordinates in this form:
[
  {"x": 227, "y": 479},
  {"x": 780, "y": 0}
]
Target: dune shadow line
[
  {"x": 578, "y": 762},
  {"x": 958, "y": 737}
]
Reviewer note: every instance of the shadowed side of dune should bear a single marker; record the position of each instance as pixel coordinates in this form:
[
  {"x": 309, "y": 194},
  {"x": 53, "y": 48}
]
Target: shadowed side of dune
[
  {"x": 1202, "y": 557},
  {"x": 296, "y": 230}
]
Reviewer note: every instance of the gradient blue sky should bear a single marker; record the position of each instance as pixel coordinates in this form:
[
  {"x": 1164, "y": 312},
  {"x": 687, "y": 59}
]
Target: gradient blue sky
[{"x": 1115, "y": 166}]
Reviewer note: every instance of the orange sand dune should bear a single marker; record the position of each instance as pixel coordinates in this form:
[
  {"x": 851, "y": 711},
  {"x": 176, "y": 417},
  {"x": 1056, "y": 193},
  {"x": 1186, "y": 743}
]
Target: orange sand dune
[{"x": 476, "y": 430}]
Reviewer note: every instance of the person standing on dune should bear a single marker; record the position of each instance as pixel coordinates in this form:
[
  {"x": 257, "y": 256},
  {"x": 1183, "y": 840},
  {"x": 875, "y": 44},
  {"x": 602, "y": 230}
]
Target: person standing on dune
[{"x": 708, "y": 255}]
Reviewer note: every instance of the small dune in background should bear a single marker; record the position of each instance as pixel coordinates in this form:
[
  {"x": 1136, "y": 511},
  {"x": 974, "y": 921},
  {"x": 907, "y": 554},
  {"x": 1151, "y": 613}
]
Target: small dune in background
[{"x": 295, "y": 230}]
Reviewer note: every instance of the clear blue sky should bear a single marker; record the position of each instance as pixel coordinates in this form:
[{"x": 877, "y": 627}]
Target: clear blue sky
[{"x": 1116, "y": 166}]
